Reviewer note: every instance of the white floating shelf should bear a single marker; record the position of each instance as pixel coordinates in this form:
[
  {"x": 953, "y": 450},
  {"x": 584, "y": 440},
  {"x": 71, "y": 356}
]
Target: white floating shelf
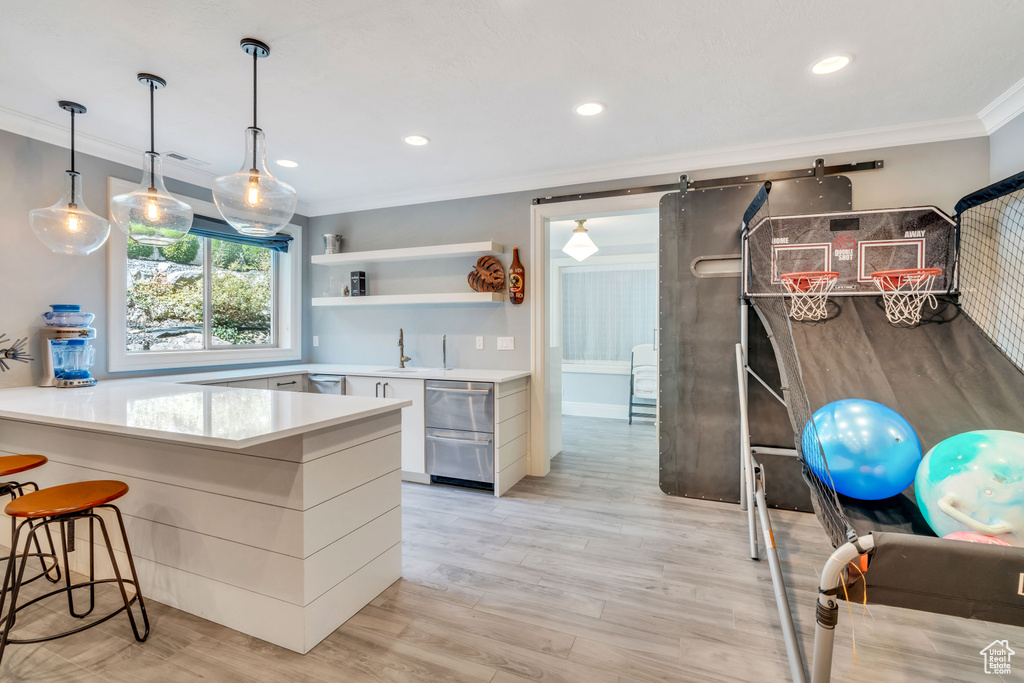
[
  {"x": 410, "y": 253},
  {"x": 414, "y": 299}
]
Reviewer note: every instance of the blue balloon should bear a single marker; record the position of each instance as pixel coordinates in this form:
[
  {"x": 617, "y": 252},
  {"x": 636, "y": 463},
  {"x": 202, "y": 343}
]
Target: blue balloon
[
  {"x": 871, "y": 451},
  {"x": 975, "y": 482}
]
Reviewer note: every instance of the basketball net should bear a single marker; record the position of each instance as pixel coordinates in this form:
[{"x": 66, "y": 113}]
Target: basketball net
[
  {"x": 905, "y": 291},
  {"x": 808, "y": 293}
]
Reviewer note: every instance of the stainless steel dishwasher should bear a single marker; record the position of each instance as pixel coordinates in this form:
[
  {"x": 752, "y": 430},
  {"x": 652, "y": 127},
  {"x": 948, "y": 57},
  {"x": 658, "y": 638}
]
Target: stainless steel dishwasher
[
  {"x": 460, "y": 433},
  {"x": 325, "y": 384}
]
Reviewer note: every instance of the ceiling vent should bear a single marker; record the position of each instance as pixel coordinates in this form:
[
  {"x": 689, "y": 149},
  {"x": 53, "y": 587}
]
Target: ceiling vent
[{"x": 182, "y": 159}]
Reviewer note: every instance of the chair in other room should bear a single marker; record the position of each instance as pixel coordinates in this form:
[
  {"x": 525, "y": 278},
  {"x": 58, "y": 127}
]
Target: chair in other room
[{"x": 643, "y": 382}]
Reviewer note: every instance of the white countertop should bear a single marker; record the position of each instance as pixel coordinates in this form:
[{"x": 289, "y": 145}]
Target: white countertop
[
  {"x": 182, "y": 413},
  {"x": 459, "y": 375},
  {"x": 178, "y": 408}
]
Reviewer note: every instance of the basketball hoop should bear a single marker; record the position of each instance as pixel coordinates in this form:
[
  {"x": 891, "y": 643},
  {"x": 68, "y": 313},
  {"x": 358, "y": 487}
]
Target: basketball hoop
[
  {"x": 905, "y": 291},
  {"x": 809, "y": 293}
]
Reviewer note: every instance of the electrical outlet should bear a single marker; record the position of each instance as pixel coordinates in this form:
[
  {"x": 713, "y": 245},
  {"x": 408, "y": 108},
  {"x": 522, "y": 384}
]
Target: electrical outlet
[
  {"x": 506, "y": 343},
  {"x": 479, "y": 342},
  {"x": 316, "y": 340}
]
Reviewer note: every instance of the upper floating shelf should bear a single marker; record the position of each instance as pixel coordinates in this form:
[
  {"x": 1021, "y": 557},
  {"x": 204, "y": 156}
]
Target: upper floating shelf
[{"x": 410, "y": 253}]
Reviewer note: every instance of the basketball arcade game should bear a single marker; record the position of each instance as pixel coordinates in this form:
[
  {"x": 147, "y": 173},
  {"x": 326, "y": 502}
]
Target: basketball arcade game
[{"x": 825, "y": 272}]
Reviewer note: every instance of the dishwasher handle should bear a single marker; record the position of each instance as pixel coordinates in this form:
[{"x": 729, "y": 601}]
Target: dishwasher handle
[{"x": 458, "y": 391}]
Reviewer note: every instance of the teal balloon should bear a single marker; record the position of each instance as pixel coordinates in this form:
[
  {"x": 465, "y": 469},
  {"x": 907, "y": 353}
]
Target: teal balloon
[
  {"x": 871, "y": 451},
  {"x": 980, "y": 477}
]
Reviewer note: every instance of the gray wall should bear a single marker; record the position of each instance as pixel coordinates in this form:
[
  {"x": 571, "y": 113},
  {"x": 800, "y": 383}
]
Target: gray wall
[
  {"x": 1007, "y": 147},
  {"x": 31, "y": 276},
  {"x": 597, "y": 391},
  {"x": 936, "y": 173}
]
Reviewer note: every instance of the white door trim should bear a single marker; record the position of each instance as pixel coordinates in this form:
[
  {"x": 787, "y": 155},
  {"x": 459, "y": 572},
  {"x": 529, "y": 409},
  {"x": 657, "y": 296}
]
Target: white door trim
[{"x": 541, "y": 452}]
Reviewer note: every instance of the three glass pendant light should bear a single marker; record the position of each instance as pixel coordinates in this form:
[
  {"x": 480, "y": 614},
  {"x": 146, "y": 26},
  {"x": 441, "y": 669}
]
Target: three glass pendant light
[{"x": 252, "y": 200}]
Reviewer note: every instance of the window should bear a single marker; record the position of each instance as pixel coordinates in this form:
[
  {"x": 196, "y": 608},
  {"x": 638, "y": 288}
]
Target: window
[
  {"x": 606, "y": 311},
  {"x": 202, "y": 300}
]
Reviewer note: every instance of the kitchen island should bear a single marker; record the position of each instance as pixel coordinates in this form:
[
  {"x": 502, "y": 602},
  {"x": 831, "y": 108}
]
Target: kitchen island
[{"x": 277, "y": 514}]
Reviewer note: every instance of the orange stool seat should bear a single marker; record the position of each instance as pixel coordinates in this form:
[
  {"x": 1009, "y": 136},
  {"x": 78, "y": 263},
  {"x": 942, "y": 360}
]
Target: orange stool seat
[
  {"x": 12, "y": 464},
  {"x": 66, "y": 498}
]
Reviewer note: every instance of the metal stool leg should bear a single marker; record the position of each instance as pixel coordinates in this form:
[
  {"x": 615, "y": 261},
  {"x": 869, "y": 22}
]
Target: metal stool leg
[
  {"x": 134, "y": 577},
  {"x": 14, "y": 587}
]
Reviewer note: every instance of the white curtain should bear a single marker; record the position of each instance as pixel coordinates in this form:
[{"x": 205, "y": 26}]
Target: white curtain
[{"x": 607, "y": 310}]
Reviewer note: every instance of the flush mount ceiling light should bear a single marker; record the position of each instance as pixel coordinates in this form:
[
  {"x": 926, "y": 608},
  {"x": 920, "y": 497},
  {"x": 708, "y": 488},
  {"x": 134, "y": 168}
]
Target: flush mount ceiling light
[
  {"x": 417, "y": 140},
  {"x": 287, "y": 163},
  {"x": 589, "y": 108},
  {"x": 831, "y": 64},
  {"x": 151, "y": 215},
  {"x": 580, "y": 246},
  {"x": 69, "y": 227},
  {"x": 252, "y": 200}
]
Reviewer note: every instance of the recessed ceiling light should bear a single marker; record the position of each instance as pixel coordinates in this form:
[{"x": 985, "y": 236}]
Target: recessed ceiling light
[
  {"x": 287, "y": 163},
  {"x": 831, "y": 64},
  {"x": 418, "y": 140},
  {"x": 589, "y": 108}
]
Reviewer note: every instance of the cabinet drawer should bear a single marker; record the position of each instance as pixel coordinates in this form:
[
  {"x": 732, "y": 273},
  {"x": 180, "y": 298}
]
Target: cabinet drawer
[
  {"x": 288, "y": 383},
  {"x": 258, "y": 383}
]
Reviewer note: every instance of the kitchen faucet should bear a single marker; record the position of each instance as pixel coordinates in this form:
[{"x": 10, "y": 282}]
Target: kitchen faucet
[
  {"x": 444, "y": 351},
  {"x": 401, "y": 349}
]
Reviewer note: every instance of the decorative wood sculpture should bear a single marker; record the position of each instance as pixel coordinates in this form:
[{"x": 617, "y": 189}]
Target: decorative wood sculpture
[{"x": 488, "y": 276}]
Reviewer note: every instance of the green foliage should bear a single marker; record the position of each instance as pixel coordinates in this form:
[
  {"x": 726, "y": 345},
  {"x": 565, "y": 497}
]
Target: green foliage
[
  {"x": 136, "y": 250},
  {"x": 159, "y": 300},
  {"x": 139, "y": 229},
  {"x": 240, "y": 257},
  {"x": 241, "y": 302},
  {"x": 183, "y": 251}
]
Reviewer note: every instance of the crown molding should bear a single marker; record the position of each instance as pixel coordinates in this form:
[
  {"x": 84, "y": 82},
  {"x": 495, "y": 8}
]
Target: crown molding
[
  {"x": 1004, "y": 108},
  {"x": 851, "y": 141},
  {"x": 59, "y": 135}
]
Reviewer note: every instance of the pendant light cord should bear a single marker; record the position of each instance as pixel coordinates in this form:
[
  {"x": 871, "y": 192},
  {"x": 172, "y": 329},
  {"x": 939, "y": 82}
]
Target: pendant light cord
[
  {"x": 152, "y": 137},
  {"x": 255, "y": 59},
  {"x": 72, "y": 140}
]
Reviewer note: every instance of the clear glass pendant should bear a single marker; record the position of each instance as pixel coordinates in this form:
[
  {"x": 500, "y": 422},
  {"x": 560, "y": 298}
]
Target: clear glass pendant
[
  {"x": 69, "y": 227},
  {"x": 253, "y": 201},
  {"x": 150, "y": 214}
]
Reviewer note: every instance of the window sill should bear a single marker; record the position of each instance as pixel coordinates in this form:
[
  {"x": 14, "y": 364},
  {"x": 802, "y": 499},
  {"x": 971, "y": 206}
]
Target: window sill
[
  {"x": 596, "y": 369},
  {"x": 164, "y": 360}
]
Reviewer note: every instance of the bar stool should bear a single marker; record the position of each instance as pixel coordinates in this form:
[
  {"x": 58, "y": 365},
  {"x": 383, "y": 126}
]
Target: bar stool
[
  {"x": 64, "y": 505},
  {"x": 15, "y": 464}
]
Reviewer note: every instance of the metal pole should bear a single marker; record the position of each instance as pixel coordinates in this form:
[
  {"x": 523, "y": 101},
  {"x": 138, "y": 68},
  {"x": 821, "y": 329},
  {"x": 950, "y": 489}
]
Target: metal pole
[
  {"x": 796, "y": 663},
  {"x": 828, "y": 610},
  {"x": 746, "y": 462},
  {"x": 744, "y": 386}
]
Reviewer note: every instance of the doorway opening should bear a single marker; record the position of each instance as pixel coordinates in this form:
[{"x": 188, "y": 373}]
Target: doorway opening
[{"x": 603, "y": 312}]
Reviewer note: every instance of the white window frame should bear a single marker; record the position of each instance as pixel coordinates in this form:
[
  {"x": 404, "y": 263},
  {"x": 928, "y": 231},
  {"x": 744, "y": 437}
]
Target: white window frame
[{"x": 289, "y": 307}]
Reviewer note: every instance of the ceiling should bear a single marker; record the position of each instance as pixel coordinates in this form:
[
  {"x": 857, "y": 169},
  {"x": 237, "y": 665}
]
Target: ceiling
[{"x": 688, "y": 84}]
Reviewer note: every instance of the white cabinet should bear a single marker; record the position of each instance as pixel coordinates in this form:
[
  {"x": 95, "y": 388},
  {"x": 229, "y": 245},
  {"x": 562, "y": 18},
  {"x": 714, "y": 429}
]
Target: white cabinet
[
  {"x": 257, "y": 383},
  {"x": 413, "y": 449},
  {"x": 288, "y": 383}
]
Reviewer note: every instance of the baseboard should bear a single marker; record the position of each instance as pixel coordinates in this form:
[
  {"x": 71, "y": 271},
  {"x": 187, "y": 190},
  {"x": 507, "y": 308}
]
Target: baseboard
[
  {"x": 605, "y": 410},
  {"x": 417, "y": 477}
]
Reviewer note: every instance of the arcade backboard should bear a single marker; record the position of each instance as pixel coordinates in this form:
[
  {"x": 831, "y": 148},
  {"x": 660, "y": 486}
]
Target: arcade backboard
[{"x": 856, "y": 244}]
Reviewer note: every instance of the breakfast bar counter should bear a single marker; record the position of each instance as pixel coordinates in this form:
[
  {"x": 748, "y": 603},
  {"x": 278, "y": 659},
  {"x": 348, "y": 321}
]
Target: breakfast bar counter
[{"x": 277, "y": 514}]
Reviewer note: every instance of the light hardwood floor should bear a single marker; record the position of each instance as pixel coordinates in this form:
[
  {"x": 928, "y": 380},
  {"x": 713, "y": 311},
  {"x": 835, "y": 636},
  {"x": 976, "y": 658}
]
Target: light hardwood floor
[{"x": 588, "y": 575}]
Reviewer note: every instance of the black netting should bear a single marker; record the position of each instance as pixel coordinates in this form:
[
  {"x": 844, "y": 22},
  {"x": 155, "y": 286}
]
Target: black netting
[
  {"x": 757, "y": 246},
  {"x": 991, "y": 265}
]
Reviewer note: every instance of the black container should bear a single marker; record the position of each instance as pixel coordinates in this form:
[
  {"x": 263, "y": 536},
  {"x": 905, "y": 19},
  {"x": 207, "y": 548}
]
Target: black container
[{"x": 358, "y": 283}]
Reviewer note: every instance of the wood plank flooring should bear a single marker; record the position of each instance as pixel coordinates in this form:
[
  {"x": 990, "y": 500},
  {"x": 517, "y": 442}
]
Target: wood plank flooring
[{"x": 590, "y": 574}]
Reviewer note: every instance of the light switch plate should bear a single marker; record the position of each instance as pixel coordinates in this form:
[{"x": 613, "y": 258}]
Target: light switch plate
[
  {"x": 479, "y": 342},
  {"x": 316, "y": 340},
  {"x": 506, "y": 343}
]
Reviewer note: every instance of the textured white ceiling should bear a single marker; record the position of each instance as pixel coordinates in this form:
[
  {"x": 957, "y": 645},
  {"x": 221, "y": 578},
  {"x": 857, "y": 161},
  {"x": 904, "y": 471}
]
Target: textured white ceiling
[{"x": 493, "y": 82}]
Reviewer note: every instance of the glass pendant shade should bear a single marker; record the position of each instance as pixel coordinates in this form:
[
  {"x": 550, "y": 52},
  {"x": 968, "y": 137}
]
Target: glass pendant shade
[
  {"x": 150, "y": 214},
  {"x": 69, "y": 227},
  {"x": 580, "y": 246},
  {"x": 253, "y": 201}
]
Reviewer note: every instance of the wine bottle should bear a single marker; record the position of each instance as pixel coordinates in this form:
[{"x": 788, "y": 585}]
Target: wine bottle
[{"x": 516, "y": 279}]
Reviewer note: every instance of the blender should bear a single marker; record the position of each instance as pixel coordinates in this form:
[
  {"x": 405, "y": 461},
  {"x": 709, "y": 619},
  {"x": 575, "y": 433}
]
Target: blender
[{"x": 68, "y": 352}]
